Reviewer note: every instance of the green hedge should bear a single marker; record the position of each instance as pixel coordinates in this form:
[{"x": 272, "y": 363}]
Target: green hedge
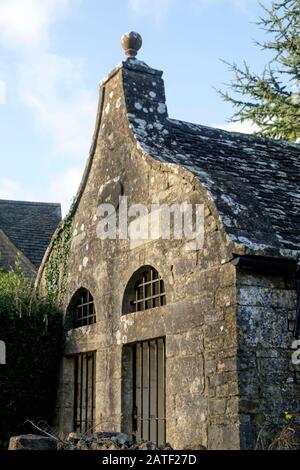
[{"x": 32, "y": 331}]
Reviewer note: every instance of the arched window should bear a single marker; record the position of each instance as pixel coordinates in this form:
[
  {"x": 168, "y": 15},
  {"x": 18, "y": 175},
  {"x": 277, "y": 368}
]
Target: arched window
[
  {"x": 145, "y": 290},
  {"x": 82, "y": 310}
]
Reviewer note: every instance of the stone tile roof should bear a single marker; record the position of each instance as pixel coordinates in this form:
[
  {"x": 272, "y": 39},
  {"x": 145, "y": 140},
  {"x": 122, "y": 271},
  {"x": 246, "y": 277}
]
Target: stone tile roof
[
  {"x": 29, "y": 226},
  {"x": 254, "y": 181}
]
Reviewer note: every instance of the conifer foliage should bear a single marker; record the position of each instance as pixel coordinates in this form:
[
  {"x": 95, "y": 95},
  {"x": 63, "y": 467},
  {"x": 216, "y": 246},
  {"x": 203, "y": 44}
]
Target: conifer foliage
[{"x": 271, "y": 100}]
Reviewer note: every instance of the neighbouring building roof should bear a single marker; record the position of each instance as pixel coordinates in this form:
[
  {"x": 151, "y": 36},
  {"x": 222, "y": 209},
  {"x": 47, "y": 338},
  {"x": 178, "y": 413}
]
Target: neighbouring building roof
[
  {"x": 10, "y": 257},
  {"x": 29, "y": 226}
]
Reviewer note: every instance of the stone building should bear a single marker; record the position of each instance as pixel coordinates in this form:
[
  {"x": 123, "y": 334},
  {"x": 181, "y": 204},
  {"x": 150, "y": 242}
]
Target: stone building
[
  {"x": 163, "y": 341},
  {"x": 26, "y": 229}
]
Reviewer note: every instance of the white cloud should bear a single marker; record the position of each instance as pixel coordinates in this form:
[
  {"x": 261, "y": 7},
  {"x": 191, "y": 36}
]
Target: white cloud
[
  {"x": 155, "y": 8},
  {"x": 246, "y": 127},
  {"x": 26, "y": 23},
  {"x": 63, "y": 187},
  {"x": 53, "y": 87},
  {"x": 159, "y": 8},
  {"x": 9, "y": 189}
]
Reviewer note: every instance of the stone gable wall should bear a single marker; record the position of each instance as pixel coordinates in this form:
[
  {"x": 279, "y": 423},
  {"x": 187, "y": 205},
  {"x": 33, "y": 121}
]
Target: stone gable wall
[{"x": 198, "y": 320}]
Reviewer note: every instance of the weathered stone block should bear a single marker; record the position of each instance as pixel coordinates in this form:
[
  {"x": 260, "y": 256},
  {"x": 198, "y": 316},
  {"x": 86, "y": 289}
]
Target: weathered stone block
[
  {"x": 185, "y": 264},
  {"x": 224, "y": 437},
  {"x": 32, "y": 442},
  {"x": 189, "y": 370},
  {"x": 185, "y": 344}
]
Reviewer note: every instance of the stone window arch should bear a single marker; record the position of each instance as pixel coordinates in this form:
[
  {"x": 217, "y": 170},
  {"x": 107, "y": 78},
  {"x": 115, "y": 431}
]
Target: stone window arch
[
  {"x": 81, "y": 310},
  {"x": 145, "y": 290}
]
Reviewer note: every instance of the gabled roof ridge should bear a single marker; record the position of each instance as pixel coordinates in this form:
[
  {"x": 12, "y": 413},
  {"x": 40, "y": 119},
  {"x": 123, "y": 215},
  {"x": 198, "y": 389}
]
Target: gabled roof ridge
[
  {"x": 12, "y": 201},
  {"x": 244, "y": 135}
]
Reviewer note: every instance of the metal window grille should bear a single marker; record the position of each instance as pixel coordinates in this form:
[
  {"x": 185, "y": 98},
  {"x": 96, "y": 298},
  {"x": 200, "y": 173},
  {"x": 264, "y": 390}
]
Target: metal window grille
[
  {"x": 149, "y": 416},
  {"x": 85, "y": 313},
  {"x": 84, "y": 392},
  {"x": 149, "y": 291}
]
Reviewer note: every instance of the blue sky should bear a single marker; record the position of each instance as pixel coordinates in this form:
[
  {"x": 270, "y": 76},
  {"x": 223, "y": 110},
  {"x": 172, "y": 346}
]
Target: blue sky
[{"x": 54, "y": 52}]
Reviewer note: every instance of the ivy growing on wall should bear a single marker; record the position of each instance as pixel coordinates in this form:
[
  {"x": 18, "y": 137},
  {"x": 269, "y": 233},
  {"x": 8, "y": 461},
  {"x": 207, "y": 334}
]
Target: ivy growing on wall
[
  {"x": 56, "y": 268},
  {"x": 31, "y": 329}
]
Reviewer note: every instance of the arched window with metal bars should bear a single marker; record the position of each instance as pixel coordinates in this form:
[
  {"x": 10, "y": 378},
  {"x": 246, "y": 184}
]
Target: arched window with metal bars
[
  {"x": 144, "y": 290},
  {"x": 81, "y": 311}
]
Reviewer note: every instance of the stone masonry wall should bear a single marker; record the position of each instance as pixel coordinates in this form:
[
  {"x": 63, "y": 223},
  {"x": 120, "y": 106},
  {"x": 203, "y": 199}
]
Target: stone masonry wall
[{"x": 268, "y": 381}]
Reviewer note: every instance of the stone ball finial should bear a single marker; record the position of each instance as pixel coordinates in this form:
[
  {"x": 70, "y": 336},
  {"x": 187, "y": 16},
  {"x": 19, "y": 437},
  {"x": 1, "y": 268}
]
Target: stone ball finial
[{"x": 131, "y": 43}]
